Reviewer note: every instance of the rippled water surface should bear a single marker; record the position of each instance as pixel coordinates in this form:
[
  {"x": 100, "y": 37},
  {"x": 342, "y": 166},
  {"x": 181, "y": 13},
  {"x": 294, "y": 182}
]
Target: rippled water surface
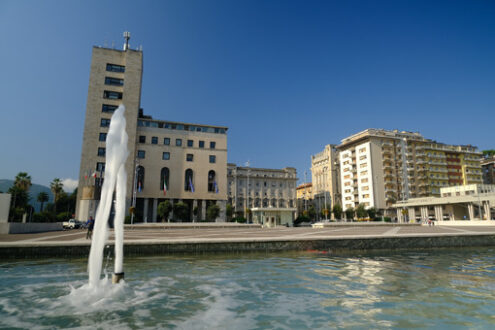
[{"x": 443, "y": 289}]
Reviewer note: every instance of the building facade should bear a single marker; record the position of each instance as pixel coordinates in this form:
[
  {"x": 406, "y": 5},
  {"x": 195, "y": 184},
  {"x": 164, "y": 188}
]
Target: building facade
[
  {"x": 488, "y": 169},
  {"x": 325, "y": 178},
  {"x": 179, "y": 162},
  {"x": 304, "y": 195},
  {"x": 380, "y": 167},
  {"x": 261, "y": 190}
]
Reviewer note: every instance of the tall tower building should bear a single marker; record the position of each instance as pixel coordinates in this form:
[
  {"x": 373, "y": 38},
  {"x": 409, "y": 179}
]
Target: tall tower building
[
  {"x": 168, "y": 161},
  {"x": 115, "y": 78}
]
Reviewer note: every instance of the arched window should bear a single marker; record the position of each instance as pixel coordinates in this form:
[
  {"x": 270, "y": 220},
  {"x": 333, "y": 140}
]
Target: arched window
[
  {"x": 140, "y": 178},
  {"x": 164, "y": 178},
  {"x": 212, "y": 184},
  {"x": 189, "y": 180}
]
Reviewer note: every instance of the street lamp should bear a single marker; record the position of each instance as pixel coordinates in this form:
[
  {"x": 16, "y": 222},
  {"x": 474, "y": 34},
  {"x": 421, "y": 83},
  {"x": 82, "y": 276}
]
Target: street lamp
[
  {"x": 134, "y": 191},
  {"x": 247, "y": 192}
]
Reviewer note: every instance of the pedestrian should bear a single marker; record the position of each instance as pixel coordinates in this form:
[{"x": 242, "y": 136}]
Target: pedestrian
[{"x": 90, "y": 224}]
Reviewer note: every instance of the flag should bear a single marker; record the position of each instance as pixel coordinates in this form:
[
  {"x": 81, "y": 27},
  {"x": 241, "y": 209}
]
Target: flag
[
  {"x": 94, "y": 175},
  {"x": 191, "y": 186},
  {"x": 164, "y": 188},
  {"x": 139, "y": 186},
  {"x": 216, "y": 187}
]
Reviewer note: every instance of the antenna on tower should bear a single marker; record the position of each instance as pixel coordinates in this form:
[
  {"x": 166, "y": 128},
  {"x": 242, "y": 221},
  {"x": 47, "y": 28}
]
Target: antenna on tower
[{"x": 127, "y": 36}]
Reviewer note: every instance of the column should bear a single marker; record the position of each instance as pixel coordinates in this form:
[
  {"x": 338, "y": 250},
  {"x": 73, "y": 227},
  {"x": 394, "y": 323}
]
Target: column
[
  {"x": 155, "y": 205},
  {"x": 399, "y": 215},
  {"x": 171, "y": 215},
  {"x": 195, "y": 206},
  {"x": 145, "y": 210},
  {"x": 223, "y": 206},
  {"x": 203, "y": 209},
  {"x": 438, "y": 213},
  {"x": 424, "y": 213},
  {"x": 486, "y": 208},
  {"x": 412, "y": 214},
  {"x": 471, "y": 211}
]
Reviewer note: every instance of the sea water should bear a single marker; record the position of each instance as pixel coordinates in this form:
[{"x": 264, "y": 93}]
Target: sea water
[{"x": 442, "y": 289}]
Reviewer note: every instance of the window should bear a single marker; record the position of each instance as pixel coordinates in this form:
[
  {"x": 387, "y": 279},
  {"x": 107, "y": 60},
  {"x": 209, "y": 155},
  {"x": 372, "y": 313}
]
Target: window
[
  {"x": 112, "y": 95},
  {"x": 142, "y": 139},
  {"x": 103, "y": 137},
  {"x": 101, "y": 152},
  {"x": 166, "y": 141},
  {"x": 212, "y": 145},
  {"x": 189, "y": 157},
  {"x": 363, "y": 165},
  {"x": 364, "y": 180},
  {"x": 115, "y": 68},
  {"x": 178, "y": 142},
  {"x": 188, "y": 180},
  {"x": 166, "y": 156},
  {"x": 108, "y": 108},
  {"x": 364, "y": 172},
  {"x": 362, "y": 157},
  {"x": 213, "y": 159},
  {"x": 100, "y": 167},
  {"x": 190, "y": 143},
  {"x": 164, "y": 178},
  {"x": 105, "y": 122},
  {"x": 141, "y": 154},
  {"x": 212, "y": 184},
  {"x": 154, "y": 140},
  {"x": 348, "y": 176},
  {"x": 201, "y": 144},
  {"x": 366, "y": 188},
  {"x": 114, "y": 81},
  {"x": 140, "y": 178}
]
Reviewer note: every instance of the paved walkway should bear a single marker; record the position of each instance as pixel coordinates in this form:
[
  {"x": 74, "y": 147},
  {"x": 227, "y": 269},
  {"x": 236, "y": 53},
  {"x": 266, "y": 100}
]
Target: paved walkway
[{"x": 218, "y": 235}]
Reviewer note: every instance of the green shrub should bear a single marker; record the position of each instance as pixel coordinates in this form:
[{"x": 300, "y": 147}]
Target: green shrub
[
  {"x": 64, "y": 216},
  {"x": 44, "y": 216},
  {"x": 239, "y": 220}
]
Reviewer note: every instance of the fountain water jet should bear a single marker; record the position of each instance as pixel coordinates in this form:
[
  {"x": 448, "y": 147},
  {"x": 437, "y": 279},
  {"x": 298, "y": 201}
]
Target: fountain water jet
[{"x": 115, "y": 179}]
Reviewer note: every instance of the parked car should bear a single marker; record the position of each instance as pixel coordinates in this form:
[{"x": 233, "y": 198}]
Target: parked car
[{"x": 71, "y": 224}]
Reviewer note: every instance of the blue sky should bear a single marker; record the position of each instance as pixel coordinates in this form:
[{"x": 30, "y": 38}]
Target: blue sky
[{"x": 286, "y": 77}]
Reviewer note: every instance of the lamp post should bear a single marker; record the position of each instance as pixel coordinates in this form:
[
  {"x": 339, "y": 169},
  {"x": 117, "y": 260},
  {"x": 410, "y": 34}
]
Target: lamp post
[{"x": 247, "y": 192}]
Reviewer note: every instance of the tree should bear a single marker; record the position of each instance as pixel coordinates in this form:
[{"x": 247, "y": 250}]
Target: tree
[
  {"x": 349, "y": 213},
  {"x": 42, "y": 198},
  {"x": 372, "y": 213},
  {"x": 56, "y": 187},
  {"x": 229, "y": 211},
  {"x": 212, "y": 212},
  {"x": 181, "y": 211},
  {"x": 337, "y": 211},
  {"x": 164, "y": 209},
  {"x": 361, "y": 211},
  {"x": 311, "y": 212},
  {"x": 23, "y": 181},
  {"x": 489, "y": 153}
]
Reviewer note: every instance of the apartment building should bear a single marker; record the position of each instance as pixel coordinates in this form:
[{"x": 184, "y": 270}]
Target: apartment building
[
  {"x": 269, "y": 194},
  {"x": 175, "y": 161},
  {"x": 325, "y": 178},
  {"x": 380, "y": 167}
]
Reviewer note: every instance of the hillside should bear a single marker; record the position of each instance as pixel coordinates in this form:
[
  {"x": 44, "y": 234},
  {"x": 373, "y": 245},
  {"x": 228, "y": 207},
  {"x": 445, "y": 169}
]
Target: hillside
[{"x": 34, "y": 190}]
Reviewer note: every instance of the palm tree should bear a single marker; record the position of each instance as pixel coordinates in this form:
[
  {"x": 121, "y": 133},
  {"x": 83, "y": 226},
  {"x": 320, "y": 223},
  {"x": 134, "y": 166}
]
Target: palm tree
[
  {"x": 42, "y": 198},
  {"x": 23, "y": 181},
  {"x": 56, "y": 187}
]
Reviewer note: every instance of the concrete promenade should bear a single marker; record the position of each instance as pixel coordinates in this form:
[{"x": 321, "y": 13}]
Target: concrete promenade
[{"x": 165, "y": 239}]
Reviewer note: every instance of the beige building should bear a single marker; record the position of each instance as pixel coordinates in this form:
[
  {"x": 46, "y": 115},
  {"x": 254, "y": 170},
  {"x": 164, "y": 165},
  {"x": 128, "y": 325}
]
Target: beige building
[
  {"x": 304, "y": 194},
  {"x": 269, "y": 194},
  {"x": 380, "y": 167},
  {"x": 179, "y": 162},
  {"x": 455, "y": 204},
  {"x": 325, "y": 178}
]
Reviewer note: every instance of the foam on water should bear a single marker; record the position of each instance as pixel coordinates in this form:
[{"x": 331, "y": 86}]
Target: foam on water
[{"x": 115, "y": 178}]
